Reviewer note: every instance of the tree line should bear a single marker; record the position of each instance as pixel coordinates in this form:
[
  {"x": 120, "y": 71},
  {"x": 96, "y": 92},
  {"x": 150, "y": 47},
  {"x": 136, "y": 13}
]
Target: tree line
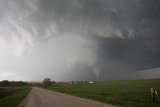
[{"x": 6, "y": 83}]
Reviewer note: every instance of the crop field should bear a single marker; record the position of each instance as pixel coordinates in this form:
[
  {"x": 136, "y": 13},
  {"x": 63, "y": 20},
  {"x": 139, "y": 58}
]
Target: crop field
[
  {"x": 130, "y": 93},
  {"x": 12, "y": 96}
]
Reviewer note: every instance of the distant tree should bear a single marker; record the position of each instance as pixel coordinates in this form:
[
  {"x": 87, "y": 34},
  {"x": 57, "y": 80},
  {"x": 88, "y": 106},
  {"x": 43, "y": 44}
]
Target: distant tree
[
  {"x": 46, "y": 82},
  {"x": 5, "y": 83},
  {"x": 53, "y": 83}
]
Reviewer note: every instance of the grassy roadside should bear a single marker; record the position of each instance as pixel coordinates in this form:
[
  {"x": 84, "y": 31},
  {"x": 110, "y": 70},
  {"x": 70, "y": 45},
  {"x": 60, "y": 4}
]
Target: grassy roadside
[
  {"x": 135, "y": 93},
  {"x": 14, "y": 98}
]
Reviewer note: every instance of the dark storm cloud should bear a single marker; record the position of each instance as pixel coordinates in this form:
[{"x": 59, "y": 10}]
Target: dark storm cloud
[
  {"x": 102, "y": 17},
  {"x": 113, "y": 37}
]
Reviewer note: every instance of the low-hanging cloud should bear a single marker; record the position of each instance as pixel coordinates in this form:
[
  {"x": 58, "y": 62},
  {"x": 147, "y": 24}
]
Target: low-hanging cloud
[
  {"x": 102, "y": 36},
  {"x": 36, "y": 20}
]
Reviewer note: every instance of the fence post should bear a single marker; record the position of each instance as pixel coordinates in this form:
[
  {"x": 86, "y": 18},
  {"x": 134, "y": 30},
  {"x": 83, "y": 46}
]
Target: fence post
[
  {"x": 152, "y": 94},
  {"x": 156, "y": 94}
]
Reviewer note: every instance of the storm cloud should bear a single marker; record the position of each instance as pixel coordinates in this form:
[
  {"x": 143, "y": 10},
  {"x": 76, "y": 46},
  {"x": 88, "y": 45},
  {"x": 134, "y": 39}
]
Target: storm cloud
[{"x": 78, "y": 39}]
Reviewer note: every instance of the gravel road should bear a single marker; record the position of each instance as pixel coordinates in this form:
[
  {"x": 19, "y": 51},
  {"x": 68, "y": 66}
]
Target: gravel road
[{"x": 39, "y": 97}]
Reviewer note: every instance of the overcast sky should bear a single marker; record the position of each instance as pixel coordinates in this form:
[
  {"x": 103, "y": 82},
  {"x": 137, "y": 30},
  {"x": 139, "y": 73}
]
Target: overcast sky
[{"x": 79, "y": 39}]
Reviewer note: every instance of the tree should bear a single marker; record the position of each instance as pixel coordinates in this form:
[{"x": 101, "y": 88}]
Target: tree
[
  {"x": 5, "y": 83},
  {"x": 46, "y": 82}
]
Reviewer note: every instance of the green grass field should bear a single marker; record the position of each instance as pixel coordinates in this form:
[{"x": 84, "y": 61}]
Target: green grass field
[
  {"x": 11, "y": 97},
  {"x": 133, "y": 93}
]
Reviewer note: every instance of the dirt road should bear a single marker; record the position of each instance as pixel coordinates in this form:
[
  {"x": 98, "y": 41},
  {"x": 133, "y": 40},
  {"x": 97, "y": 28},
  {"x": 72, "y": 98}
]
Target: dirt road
[{"x": 39, "y": 97}]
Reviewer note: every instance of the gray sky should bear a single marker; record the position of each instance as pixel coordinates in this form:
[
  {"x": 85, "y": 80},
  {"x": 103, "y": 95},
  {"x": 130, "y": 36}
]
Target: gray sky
[{"x": 79, "y": 39}]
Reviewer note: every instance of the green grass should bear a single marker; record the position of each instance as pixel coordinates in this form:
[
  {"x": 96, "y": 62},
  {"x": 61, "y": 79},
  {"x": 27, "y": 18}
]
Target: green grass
[
  {"x": 12, "y": 97},
  {"x": 133, "y": 93}
]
